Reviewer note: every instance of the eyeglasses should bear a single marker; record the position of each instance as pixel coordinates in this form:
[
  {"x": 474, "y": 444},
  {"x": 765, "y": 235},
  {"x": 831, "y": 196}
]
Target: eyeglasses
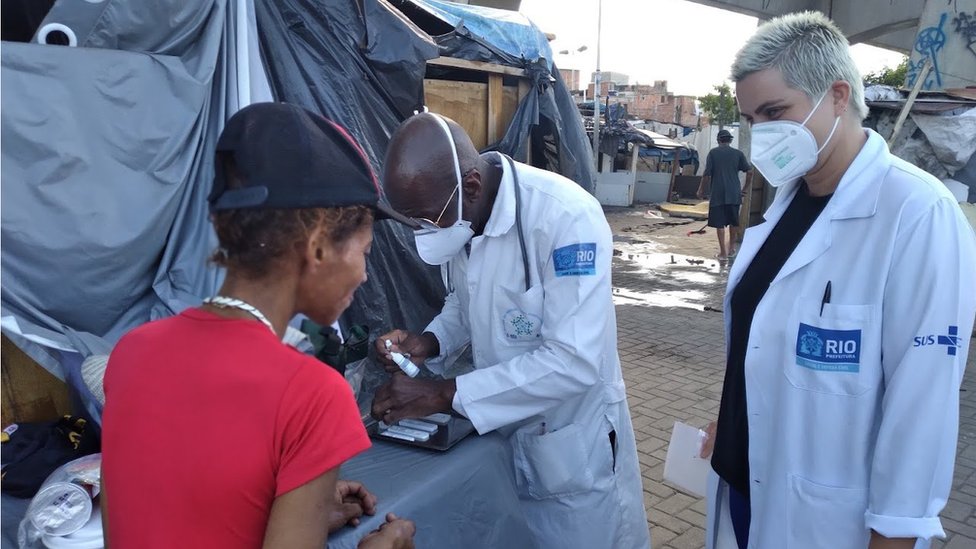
[{"x": 427, "y": 224}]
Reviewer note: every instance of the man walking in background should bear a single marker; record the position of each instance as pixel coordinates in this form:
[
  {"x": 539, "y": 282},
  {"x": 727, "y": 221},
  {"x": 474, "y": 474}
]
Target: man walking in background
[{"x": 722, "y": 169}]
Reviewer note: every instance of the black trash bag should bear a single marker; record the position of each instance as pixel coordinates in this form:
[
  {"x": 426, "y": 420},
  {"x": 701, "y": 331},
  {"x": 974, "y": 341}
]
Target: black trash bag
[{"x": 32, "y": 451}]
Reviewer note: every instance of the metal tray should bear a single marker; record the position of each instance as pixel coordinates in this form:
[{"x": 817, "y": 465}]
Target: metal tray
[{"x": 446, "y": 436}]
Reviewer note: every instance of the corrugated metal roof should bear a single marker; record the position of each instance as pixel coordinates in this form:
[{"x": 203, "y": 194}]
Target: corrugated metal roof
[{"x": 663, "y": 141}]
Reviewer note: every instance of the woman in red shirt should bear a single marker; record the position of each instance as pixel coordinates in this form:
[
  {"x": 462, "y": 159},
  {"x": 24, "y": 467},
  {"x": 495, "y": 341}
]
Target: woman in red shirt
[{"x": 215, "y": 433}]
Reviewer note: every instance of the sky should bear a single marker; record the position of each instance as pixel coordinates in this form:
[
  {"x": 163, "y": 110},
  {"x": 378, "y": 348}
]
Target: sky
[{"x": 689, "y": 45}]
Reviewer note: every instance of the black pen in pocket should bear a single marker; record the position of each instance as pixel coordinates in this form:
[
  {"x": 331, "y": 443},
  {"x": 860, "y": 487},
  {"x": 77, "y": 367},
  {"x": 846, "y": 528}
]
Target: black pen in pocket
[{"x": 826, "y": 298}]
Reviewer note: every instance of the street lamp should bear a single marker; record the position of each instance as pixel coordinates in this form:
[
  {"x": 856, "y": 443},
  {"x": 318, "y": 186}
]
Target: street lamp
[
  {"x": 580, "y": 49},
  {"x": 596, "y": 90},
  {"x": 575, "y": 83}
]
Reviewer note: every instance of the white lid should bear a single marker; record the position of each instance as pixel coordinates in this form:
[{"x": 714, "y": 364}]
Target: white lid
[
  {"x": 88, "y": 537},
  {"x": 60, "y": 508}
]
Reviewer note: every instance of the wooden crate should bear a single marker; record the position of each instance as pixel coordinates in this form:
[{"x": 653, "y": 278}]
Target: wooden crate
[{"x": 484, "y": 110}]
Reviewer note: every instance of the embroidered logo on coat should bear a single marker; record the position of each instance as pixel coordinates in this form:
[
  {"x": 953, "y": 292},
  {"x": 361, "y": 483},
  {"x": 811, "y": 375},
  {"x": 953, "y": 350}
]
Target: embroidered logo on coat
[
  {"x": 828, "y": 350},
  {"x": 575, "y": 259},
  {"x": 521, "y": 326}
]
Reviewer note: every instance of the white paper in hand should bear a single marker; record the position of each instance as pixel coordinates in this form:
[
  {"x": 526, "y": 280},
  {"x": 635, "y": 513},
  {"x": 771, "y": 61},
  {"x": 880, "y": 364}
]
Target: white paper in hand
[{"x": 683, "y": 467}]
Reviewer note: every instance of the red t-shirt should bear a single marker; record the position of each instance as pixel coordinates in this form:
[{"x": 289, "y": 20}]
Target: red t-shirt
[{"x": 206, "y": 421}]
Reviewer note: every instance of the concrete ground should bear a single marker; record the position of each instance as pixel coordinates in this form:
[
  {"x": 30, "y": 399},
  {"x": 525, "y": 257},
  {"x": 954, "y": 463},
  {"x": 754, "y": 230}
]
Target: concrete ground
[{"x": 669, "y": 298}]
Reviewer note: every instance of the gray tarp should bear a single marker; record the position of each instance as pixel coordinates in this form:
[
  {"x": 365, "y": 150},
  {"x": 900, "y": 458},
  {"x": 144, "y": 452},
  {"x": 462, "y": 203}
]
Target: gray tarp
[
  {"x": 106, "y": 166},
  {"x": 462, "y": 498}
]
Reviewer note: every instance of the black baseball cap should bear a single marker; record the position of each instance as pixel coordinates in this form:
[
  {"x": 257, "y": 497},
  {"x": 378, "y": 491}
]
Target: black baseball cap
[
  {"x": 724, "y": 135},
  {"x": 288, "y": 157}
]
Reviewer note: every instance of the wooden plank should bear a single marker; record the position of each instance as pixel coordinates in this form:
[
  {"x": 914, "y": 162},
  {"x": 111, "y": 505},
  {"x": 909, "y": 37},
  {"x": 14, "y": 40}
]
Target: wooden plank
[
  {"x": 903, "y": 115},
  {"x": 510, "y": 103},
  {"x": 464, "y": 102},
  {"x": 523, "y": 89},
  {"x": 496, "y": 121},
  {"x": 674, "y": 172},
  {"x": 758, "y": 195},
  {"x": 29, "y": 392},
  {"x": 745, "y": 210},
  {"x": 480, "y": 66}
]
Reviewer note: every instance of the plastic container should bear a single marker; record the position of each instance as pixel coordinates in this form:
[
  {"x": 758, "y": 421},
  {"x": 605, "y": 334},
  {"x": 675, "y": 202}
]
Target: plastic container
[
  {"x": 63, "y": 510},
  {"x": 88, "y": 536},
  {"x": 60, "y": 508}
]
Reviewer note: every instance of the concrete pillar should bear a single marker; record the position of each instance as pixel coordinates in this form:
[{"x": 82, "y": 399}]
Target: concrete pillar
[{"x": 947, "y": 37}]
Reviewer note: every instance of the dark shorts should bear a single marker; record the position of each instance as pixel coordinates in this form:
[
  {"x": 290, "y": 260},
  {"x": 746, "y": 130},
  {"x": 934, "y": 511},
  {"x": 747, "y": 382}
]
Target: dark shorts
[{"x": 723, "y": 216}]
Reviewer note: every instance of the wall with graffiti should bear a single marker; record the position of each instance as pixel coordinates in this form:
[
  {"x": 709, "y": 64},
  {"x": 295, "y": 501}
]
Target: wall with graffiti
[{"x": 946, "y": 41}]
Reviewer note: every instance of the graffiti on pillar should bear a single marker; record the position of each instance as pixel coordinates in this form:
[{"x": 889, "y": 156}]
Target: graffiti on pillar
[
  {"x": 929, "y": 44},
  {"x": 966, "y": 27}
]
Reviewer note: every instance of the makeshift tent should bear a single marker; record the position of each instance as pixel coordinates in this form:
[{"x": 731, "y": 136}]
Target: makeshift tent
[
  {"x": 107, "y": 146},
  {"x": 664, "y": 149},
  {"x": 939, "y": 134},
  {"x": 546, "y": 130},
  {"x": 106, "y": 167},
  {"x": 479, "y": 33},
  {"x": 618, "y": 133}
]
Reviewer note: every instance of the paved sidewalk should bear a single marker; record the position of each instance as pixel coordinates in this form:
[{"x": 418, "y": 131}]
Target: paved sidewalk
[{"x": 672, "y": 359}]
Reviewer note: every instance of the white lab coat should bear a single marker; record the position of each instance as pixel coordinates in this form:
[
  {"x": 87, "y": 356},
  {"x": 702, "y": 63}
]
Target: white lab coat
[
  {"x": 547, "y": 372},
  {"x": 837, "y": 450}
]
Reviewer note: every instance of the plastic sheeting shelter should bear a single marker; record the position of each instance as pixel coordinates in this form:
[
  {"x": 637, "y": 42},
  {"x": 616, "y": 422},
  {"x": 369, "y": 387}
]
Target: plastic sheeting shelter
[
  {"x": 106, "y": 167},
  {"x": 107, "y": 146},
  {"x": 546, "y": 129},
  {"x": 482, "y": 33}
]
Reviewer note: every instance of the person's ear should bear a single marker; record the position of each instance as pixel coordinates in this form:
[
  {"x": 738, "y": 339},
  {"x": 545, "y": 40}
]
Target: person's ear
[
  {"x": 840, "y": 95},
  {"x": 318, "y": 251},
  {"x": 472, "y": 186}
]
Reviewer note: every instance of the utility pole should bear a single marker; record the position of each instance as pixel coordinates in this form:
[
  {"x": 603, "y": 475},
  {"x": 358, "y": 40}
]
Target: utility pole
[{"x": 596, "y": 89}]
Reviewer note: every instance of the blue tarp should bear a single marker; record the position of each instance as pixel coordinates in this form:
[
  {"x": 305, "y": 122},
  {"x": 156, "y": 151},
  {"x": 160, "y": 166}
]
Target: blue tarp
[
  {"x": 667, "y": 155},
  {"x": 588, "y": 105},
  {"x": 685, "y": 156},
  {"x": 508, "y": 31}
]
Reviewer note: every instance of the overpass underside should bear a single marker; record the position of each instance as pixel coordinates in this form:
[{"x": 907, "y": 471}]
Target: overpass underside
[{"x": 890, "y": 24}]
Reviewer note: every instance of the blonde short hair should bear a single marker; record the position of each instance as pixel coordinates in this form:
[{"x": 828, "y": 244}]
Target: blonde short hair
[{"x": 809, "y": 50}]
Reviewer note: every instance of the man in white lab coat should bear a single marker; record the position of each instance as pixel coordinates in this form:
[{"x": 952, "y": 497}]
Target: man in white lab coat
[
  {"x": 848, "y": 318},
  {"x": 526, "y": 257}
]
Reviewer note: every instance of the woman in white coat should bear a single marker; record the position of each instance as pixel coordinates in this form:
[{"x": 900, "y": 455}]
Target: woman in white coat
[{"x": 848, "y": 318}]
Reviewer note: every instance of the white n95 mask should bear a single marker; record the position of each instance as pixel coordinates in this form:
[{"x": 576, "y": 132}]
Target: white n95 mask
[
  {"x": 784, "y": 151},
  {"x": 438, "y": 245}
]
